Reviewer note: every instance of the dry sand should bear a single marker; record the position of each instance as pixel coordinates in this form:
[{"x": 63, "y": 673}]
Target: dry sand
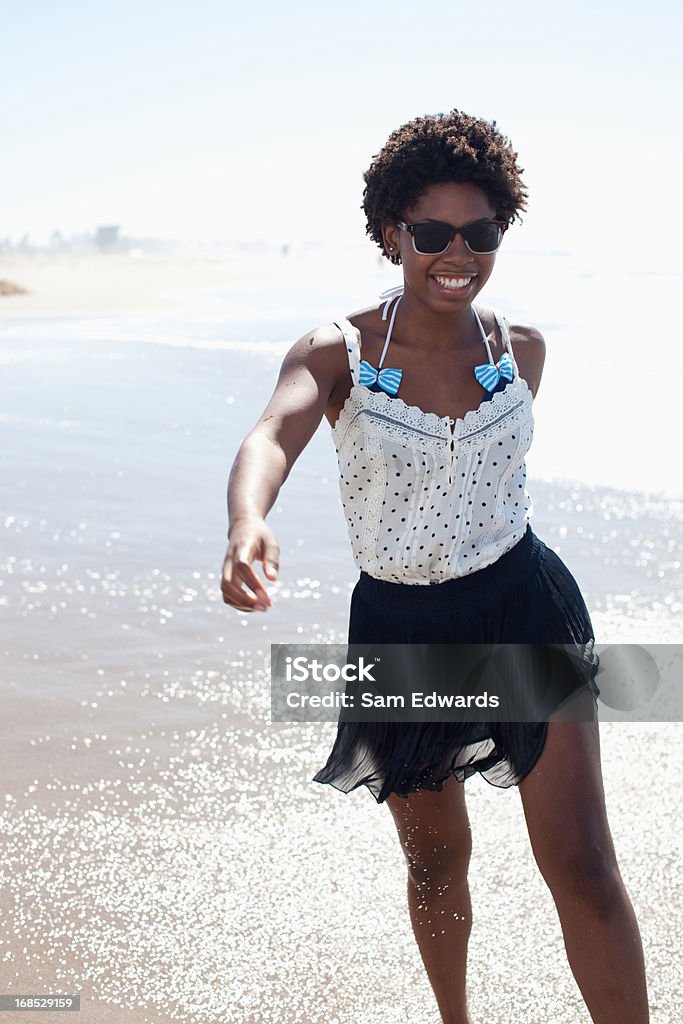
[{"x": 108, "y": 284}]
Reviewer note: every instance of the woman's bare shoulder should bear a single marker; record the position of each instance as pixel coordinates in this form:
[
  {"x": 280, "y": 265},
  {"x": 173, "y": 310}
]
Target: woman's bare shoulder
[
  {"x": 324, "y": 341},
  {"x": 520, "y": 333},
  {"x": 321, "y": 352},
  {"x": 526, "y": 334},
  {"x": 528, "y": 345},
  {"x": 367, "y": 322},
  {"x": 367, "y": 312}
]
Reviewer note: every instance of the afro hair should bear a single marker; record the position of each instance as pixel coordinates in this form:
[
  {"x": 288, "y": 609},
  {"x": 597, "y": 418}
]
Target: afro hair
[{"x": 434, "y": 149}]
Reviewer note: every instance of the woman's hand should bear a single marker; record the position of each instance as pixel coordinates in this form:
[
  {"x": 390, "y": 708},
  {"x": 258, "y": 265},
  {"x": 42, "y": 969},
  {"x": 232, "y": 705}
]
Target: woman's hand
[{"x": 249, "y": 538}]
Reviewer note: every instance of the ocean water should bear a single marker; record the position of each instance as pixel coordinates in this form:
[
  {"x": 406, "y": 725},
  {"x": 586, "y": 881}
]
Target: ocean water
[
  {"x": 119, "y": 435},
  {"x": 135, "y": 744}
]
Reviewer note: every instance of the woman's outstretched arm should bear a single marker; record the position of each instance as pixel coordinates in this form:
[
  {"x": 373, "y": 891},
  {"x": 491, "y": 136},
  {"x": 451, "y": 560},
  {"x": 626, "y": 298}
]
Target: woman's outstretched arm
[{"x": 309, "y": 373}]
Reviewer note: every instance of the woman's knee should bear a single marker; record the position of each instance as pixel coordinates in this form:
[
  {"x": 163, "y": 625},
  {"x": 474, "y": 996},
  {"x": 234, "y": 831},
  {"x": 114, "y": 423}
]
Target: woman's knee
[
  {"x": 588, "y": 874},
  {"x": 435, "y": 835},
  {"x": 439, "y": 865}
]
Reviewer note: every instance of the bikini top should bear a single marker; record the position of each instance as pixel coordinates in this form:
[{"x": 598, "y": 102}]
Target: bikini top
[
  {"x": 492, "y": 376},
  {"x": 429, "y": 498}
]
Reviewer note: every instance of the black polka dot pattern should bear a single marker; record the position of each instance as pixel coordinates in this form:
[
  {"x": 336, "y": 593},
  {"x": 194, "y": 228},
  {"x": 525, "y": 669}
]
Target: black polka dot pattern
[{"x": 395, "y": 465}]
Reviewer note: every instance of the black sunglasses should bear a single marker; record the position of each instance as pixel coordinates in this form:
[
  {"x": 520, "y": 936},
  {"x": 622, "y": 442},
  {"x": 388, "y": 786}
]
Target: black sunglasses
[{"x": 434, "y": 236}]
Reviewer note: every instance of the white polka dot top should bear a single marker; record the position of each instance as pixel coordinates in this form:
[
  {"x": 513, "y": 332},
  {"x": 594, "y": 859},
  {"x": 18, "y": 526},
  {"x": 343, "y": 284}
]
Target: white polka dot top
[{"x": 428, "y": 498}]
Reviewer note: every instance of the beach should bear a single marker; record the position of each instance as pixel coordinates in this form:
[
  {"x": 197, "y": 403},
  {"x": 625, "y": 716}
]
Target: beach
[
  {"x": 125, "y": 281},
  {"x": 165, "y": 853}
]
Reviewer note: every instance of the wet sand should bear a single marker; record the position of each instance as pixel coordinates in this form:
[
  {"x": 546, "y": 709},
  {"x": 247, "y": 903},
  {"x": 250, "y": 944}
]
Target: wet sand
[{"x": 193, "y": 870}]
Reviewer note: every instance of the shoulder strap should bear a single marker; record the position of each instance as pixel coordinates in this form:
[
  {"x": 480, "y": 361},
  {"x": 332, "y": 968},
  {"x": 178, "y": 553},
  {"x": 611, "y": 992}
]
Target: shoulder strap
[
  {"x": 502, "y": 322},
  {"x": 352, "y": 348}
]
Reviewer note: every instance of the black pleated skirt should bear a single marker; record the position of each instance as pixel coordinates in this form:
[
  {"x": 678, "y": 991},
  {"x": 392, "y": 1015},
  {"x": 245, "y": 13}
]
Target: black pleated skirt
[{"x": 528, "y": 596}]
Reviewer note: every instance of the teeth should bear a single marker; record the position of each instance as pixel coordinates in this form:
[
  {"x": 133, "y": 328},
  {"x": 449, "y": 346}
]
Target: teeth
[{"x": 454, "y": 282}]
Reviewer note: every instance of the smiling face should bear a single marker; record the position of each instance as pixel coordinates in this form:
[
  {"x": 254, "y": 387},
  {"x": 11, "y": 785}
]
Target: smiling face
[{"x": 450, "y": 280}]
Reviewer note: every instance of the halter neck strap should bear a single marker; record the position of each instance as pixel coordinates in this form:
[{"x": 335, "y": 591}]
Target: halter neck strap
[
  {"x": 396, "y": 293},
  {"x": 483, "y": 334},
  {"x": 391, "y": 326}
]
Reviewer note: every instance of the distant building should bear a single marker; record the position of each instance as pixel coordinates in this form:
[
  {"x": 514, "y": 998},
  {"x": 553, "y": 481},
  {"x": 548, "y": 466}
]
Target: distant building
[{"x": 107, "y": 237}]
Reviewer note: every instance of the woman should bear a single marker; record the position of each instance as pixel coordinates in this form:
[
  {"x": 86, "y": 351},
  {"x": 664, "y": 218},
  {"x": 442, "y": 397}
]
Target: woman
[{"x": 431, "y": 446}]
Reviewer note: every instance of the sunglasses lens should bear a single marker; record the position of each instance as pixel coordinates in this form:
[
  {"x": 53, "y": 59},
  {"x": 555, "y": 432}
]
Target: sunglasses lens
[
  {"x": 483, "y": 237},
  {"x": 435, "y": 237},
  {"x": 432, "y": 238}
]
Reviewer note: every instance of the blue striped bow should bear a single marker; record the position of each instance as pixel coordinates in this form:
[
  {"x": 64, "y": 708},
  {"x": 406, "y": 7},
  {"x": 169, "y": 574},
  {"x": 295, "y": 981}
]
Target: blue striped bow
[
  {"x": 388, "y": 379},
  {"x": 488, "y": 374}
]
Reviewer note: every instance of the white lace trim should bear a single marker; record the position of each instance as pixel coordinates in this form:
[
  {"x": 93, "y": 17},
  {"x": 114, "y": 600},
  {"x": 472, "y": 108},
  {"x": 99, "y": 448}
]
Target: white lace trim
[{"x": 516, "y": 395}]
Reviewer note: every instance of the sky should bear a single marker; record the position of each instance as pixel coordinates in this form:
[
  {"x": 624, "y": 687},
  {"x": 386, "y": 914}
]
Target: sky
[{"x": 224, "y": 121}]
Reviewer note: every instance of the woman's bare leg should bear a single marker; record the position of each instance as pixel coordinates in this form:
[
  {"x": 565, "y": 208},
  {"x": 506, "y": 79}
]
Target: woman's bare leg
[
  {"x": 435, "y": 834},
  {"x": 564, "y": 806}
]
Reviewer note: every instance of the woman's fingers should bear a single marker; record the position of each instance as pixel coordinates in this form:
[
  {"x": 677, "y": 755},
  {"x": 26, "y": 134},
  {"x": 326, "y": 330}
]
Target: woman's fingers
[
  {"x": 236, "y": 597},
  {"x": 271, "y": 560},
  {"x": 246, "y": 574},
  {"x": 236, "y": 572},
  {"x": 233, "y": 593}
]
